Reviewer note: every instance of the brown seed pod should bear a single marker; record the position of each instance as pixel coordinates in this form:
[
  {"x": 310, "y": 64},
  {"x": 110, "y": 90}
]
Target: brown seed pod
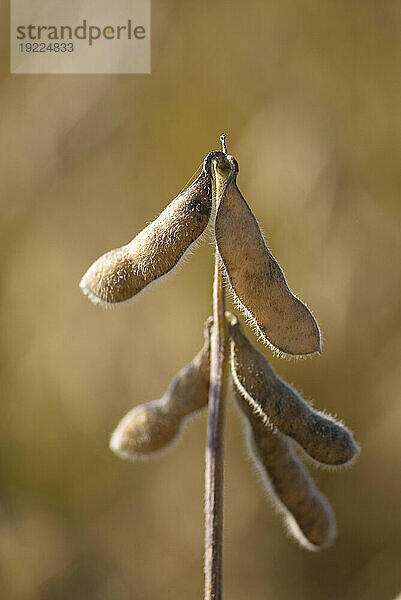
[
  {"x": 308, "y": 515},
  {"x": 257, "y": 280},
  {"x": 322, "y": 437},
  {"x": 121, "y": 274},
  {"x": 150, "y": 428}
]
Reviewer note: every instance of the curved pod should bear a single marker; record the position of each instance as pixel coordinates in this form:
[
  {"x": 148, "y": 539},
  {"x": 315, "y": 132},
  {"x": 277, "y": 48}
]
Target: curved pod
[
  {"x": 122, "y": 273},
  {"x": 309, "y": 517},
  {"x": 322, "y": 437},
  {"x": 151, "y": 428},
  {"x": 258, "y": 281}
]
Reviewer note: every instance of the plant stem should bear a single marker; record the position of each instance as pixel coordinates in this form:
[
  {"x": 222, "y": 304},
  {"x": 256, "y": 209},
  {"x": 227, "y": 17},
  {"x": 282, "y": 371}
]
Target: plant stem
[
  {"x": 214, "y": 469},
  {"x": 215, "y": 445}
]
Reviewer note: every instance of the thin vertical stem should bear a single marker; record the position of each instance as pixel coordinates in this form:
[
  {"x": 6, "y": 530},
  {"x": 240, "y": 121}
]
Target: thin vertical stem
[
  {"x": 215, "y": 444},
  {"x": 214, "y": 470}
]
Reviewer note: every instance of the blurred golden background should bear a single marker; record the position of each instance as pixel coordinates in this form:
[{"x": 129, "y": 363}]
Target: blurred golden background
[{"x": 308, "y": 94}]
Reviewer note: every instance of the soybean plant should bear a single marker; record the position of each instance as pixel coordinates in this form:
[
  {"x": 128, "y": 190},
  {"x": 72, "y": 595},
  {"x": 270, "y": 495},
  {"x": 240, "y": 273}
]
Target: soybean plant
[{"x": 280, "y": 427}]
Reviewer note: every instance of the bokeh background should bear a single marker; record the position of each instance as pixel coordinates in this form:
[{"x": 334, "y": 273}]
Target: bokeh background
[{"x": 308, "y": 94}]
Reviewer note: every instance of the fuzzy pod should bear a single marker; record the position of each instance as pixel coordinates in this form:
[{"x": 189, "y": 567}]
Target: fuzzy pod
[
  {"x": 258, "y": 281},
  {"x": 322, "y": 437},
  {"x": 308, "y": 515},
  {"x": 122, "y": 273},
  {"x": 150, "y": 428}
]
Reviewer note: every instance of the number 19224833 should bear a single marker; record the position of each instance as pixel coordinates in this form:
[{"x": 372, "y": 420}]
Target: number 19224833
[{"x": 43, "y": 47}]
